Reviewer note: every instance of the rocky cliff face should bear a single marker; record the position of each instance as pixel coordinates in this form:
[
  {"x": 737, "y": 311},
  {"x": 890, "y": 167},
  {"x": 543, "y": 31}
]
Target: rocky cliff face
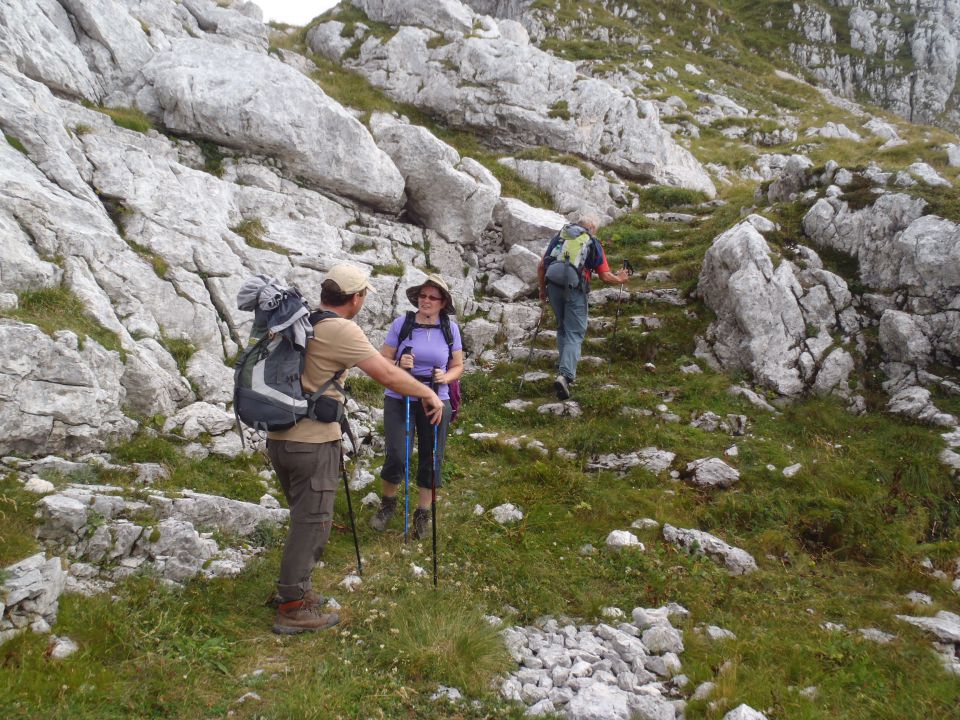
[
  {"x": 220, "y": 161},
  {"x": 900, "y": 54}
]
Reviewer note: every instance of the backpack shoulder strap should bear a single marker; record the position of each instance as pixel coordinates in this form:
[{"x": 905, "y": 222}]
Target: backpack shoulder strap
[
  {"x": 406, "y": 329},
  {"x": 318, "y": 315},
  {"x": 447, "y": 335},
  {"x": 447, "y": 330}
]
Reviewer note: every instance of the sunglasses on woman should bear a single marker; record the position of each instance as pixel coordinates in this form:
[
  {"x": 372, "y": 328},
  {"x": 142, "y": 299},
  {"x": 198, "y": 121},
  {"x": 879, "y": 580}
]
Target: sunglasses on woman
[{"x": 432, "y": 298}]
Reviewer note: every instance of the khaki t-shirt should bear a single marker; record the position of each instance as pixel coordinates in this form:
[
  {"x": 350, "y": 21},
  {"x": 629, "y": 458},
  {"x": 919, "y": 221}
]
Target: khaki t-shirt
[{"x": 337, "y": 344}]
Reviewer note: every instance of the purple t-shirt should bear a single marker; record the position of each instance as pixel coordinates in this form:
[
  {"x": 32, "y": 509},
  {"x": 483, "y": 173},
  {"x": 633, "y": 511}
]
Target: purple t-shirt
[{"x": 430, "y": 350}]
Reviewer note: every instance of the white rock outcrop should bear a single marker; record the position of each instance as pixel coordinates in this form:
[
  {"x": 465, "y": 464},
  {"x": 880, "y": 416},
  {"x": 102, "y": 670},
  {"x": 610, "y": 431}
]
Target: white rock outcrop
[
  {"x": 519, "y": 94},
  {"x": 257, "y": 104},
  {"x": 737, "y": 561},
  {"x": 766, "y": 314}
]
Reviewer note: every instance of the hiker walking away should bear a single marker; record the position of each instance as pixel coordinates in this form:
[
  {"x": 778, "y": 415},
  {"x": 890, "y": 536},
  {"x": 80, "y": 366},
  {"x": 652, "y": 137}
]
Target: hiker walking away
[
  {"x": 572, "y": 256},
  {"x": 431, "y": 358},
  {"x": 306, "y": 457}
]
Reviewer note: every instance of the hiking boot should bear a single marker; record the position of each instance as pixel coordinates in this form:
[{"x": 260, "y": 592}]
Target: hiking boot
[
  {"x": 421, "y": 523},
  {"x": 309, "y": 597},
  {"x": 297, "y": 617},
  {"x": 388, "y": 506},
  {"x": 562, "y": 386}
]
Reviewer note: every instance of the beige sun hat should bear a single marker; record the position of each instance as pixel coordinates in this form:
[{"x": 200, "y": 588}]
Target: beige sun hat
[
  {"x": 437, "y": 282},
  {"x": 349, "y": 278}
]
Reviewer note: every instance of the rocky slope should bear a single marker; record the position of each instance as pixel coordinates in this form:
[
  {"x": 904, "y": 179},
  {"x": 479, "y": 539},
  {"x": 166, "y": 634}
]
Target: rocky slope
[{"x": 158, "y": 152}]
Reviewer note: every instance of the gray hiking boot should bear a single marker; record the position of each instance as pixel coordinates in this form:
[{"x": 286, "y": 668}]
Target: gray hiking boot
[
  {"x": 298, "y": 617},
  {"x": 562, "y": 386},
  {"x": 421, "y": 523},
  {"x": 310, "y": 597},
  {"x": 388, "y": 506}
]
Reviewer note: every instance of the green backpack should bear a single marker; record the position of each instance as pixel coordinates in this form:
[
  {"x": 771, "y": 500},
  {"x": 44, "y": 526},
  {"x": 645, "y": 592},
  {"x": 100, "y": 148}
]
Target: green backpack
[{"x": 566, "y": 262}]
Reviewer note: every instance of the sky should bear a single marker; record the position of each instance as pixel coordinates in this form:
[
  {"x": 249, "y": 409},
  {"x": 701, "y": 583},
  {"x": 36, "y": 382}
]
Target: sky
[{"x": 293, "y": 12}]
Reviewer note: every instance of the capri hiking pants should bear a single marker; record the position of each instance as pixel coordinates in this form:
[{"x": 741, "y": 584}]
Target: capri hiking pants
[{"x": 394, "y": 430}]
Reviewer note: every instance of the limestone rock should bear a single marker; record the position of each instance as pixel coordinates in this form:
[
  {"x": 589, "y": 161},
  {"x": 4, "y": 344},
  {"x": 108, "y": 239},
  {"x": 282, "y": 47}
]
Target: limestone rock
[
  {"x": 200, "y": 418},
  {"x": 538, "y": 99},
  {"x": 712, "y": 472},
  {"x": 737, "y": 561},
  {"x": 56, "y": 397},
  {"x": 507, "y": 513},
  {"x": 623, "y": 538},
  {"x": 525, "y": 225},
  {"x": 454, "y": 196},
  {"x": 212, "y": 379},
  {"x": 744, "y": 712},
  {"x": 573, "y": 190},
  {"x": 259, "y": 105}
]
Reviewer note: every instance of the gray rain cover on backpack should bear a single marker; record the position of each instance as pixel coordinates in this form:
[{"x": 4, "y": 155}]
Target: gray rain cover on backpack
[
  {"x": 267, "y": 394},
  {"x": 569, "y": 257}
]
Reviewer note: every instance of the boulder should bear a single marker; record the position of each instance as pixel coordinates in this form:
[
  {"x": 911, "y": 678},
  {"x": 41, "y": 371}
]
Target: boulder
[
  {"x": 524, "y": 96},
  {"x": 454, "y": 196},
  {"x": 212, "y": 379},
  {"x": 200, "y": 417},
  {"x": 526, "y": 225},
  {"x": 712, "y": 472},
  {"x": 259, "y": 105},
  {"x": 152, "y": 380},
  {"x": 572, "y": 189},
  {"x": 478, "y": 335},
  {"x": 523, "y": 264},
  {"x": 737, "y": 561},
  {"x": 55, "y": 397},
  {"x": 443, "y": 15}
]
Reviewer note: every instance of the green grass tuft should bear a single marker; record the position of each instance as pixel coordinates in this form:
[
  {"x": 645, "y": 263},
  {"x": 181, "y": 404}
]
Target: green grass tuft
[
  {"x": 396, "y": 269},
  {"x": 444, "y": 640},
  {"x": 15, "y": 143},
  {"x": 129, "y": 118},
  {"x": 58, "y": 308},
  {"x": 253, "y": 231}
]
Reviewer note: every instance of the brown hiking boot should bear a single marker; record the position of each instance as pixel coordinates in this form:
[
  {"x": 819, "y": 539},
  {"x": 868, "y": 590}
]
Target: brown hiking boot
[
  {"x": 310, "y": 597},
  {"x": 421, "y": 523},
  {"x": 297, "y": 617},
  {"x": 388, "y": 506}
]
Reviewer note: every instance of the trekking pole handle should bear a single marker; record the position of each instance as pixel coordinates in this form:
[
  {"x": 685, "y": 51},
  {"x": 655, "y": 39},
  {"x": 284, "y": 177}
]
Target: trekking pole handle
[
  {"x": 627, "y": 266},
  {"x": 406, "y": 350}
]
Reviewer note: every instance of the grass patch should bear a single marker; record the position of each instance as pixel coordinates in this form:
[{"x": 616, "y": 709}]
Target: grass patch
[
  {"x": 182, "y": 350},
  {"x": 15, "y": 144},
  {"x": 560, "y": 109},
  {"x": 129, "y": 118},
  {"x": 212, "y": 157},
  {"x": 157, "y": 262},
  {"x": 58, "y": 308},
  {"x": 664, "y": 197},
  {"x": 17, "y": 521},
  {"x": 254, "y": 232},
  {"x": 446, "y": 641},
  {"x": 395, "y": 269}
]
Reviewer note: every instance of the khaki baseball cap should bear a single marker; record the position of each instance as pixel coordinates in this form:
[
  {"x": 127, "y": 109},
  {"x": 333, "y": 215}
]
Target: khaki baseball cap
[{"x": 350, "y": 279}]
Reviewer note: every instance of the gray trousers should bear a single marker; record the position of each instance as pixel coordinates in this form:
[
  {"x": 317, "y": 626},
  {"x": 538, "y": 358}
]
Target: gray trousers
[
  {"x": 308, "y": 475},
  {"x": 570, "y": 307},
  {"x": 394, "y": 434}
]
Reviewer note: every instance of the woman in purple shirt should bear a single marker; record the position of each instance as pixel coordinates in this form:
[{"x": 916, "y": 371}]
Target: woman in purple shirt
[{"x": 426, "y": 354}]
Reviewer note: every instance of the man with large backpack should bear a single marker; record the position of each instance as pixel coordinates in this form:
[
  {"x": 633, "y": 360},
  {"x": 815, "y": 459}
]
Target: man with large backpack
[
  {"x": 572, "y": 256},
  {"x": 306, "y": 457}
]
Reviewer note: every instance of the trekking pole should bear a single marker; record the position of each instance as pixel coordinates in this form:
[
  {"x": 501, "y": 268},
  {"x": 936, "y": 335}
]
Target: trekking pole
[
  {"x": 353, "y": 524},
  {"x": 526, "y": 365},
  {"x": 433, "y": 484},
  {"x": 406, "y": 464},
  {"x": 629, "y": 268}
]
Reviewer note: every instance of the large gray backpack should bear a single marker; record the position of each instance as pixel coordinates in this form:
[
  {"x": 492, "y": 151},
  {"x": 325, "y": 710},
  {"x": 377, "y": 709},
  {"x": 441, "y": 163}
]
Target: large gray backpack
[{"x": 267, "y": 393}]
